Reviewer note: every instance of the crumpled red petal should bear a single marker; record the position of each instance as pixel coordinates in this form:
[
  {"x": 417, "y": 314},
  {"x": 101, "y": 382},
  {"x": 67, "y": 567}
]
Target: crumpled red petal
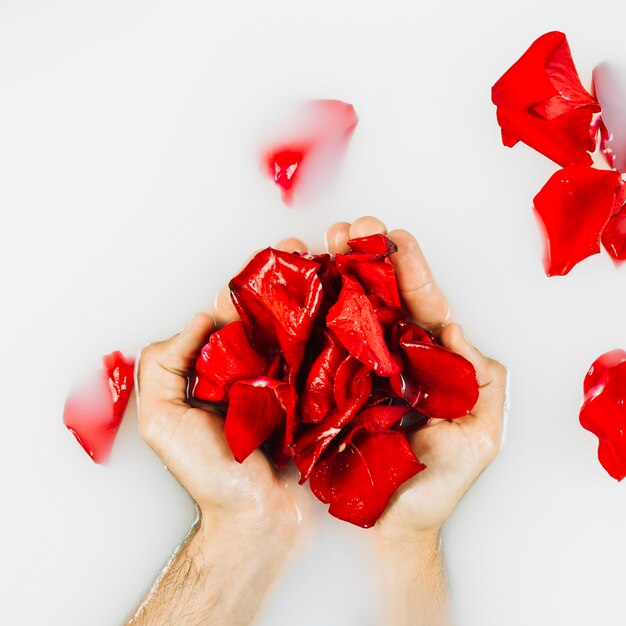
[
  {"x": 604, "y": 410},
  {"x": 256, "y": 409},
  {"x": 318, "y": 396},
  {"x": 374, "y": 273},
  {"x": 542, "y": 103},
  {"x": 93, "y": 414},
  {"x": 278, "y": 296},
  {"x": 227, "y": 357},
  {"x": 356, "y": 324},
  {"x": 373, "y": 244},
  {"x": 353, "y": 386},
  {"x": 574, "y": 206},
  {"x": 435, "y": 381},
  {"x": 361, "y": 475}
]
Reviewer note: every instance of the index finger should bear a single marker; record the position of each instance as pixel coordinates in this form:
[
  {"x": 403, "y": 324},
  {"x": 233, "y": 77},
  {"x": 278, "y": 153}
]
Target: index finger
[{"x": 420, "y": 293}]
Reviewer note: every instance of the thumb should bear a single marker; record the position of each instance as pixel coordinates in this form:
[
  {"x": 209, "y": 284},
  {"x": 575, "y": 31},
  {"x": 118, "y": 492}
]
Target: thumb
[
  {"x": 453, "y": 338},
  {"x": 178, "y": 354}
]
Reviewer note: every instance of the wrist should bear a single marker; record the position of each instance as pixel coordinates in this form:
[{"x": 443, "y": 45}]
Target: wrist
[
  {"x": 408, "y": 546},
  {"x": 250, "y": 538}
]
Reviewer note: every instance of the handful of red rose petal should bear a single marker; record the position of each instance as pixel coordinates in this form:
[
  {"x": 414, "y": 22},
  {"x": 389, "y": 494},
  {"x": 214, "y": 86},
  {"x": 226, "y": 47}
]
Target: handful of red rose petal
[{"x": 325, "y": 368}]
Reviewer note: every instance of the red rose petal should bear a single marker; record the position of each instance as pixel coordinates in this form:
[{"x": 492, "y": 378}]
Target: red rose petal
[
  {"x": 375, "y": 274},
  {"x": 354, "y": 321},
  {"x": 278, "y": 296},
  {"x": 256, "y": 409},
  {"x": 318, "y": 398},
  {"x": 604, "y": 410},
  {"x": 542, "y": 102},
  {"x": 614, "y": 236},
  {"x": 382, "y": 417},
  {"x": 359, "y": 478},
  {"x": 93, "y": 414},
  {"x": 353, "y": 386},
  {"x": 574, "y": 206},
  {"x": 373, "y": 244},
  {"x": 350, "y": 375},
  {"x": 324, "y": 124},
  {"x": 227, "y": 357},
  {"x": 282, "y": 164},
  {"x": 437, "y": 382}
]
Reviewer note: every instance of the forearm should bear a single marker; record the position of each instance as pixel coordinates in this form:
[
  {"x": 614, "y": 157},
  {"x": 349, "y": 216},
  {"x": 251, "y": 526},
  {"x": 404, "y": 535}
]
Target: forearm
[
  {"x": 414, "y": 582},
  {"x": 219, "y": 576}
]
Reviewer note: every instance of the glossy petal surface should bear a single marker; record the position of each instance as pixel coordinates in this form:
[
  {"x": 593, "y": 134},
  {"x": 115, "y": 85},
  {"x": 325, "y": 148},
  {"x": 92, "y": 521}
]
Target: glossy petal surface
[
  {"x": 318, "y": 395},
  {"x": 614, "y": 236},
  {"x": 356, "y": 324},
  {"x": 574, "y": 206},
  {"x": 256, "y": 409},
  {"x": 436, "y": 381},
  {"x": 604, "y": 410},
  {"x": 373, "y": 244},
  {"x": 226, "y": 358},
  {"x": 542, "y": 103},
  {"x": 360, "y": 476},
  {"x": 353, "y": 386},
  {"x": 278, "y": 296},
  {"x": 93, "y": 413}
]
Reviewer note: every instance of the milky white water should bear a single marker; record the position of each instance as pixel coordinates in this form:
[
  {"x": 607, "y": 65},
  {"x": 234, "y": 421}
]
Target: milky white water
[{"x": 130, "y": 191}]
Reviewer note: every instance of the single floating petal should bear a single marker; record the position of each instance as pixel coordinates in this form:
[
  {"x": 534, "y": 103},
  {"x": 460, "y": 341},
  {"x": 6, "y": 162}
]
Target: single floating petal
[
  {"x": 604, "y": 410},
  {"x": 574, "y": 207},
  {"x": 93, "y": 414},
  {"x": 541, "y": 102},
  {"x": 324, "y": 129}
]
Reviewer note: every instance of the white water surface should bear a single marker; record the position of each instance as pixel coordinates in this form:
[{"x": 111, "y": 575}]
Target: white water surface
[{"x": 130, "y": 191}]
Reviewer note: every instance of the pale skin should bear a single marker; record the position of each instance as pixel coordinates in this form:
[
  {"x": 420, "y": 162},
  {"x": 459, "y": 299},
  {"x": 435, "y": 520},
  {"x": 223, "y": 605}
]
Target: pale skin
[{"x": 249, "y": 515}]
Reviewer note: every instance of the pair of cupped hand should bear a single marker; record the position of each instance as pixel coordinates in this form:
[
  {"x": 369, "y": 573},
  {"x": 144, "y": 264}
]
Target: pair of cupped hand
[{"x": 252, "y": 495}]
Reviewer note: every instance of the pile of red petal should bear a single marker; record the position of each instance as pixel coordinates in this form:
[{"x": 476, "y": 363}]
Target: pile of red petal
[
  {"x": 326, "y": 369},
  {"x": 541, "y": 102},
  {"x": 604, "y": 411},
  {"x": 94, "y": 412}
]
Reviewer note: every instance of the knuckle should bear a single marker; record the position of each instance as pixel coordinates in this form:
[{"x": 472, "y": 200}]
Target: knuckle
[{"x": 498, "y": 372}]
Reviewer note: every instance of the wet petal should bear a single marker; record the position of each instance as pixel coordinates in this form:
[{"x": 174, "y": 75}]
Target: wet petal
[
  {"x": 614, "y": 236},
  {"x": 542, "y": 103},
  {"x": 256, "y": 409},
  {"x": 435, "y": 381},
  {"x": 227, "y": 357},
  {"x": 374, "y": 273},
  {"x": 323, "y": 130},
  {"x": 360, "y": 476},
  {"x": 604, "y": 410},
  {"x": 278, "y": 296},
  {"x": 353, "y": 386},
  {"x": 93, "y": 413},
  {"x": 318, "y": 396},
  {"x": 574, "y": 206}
]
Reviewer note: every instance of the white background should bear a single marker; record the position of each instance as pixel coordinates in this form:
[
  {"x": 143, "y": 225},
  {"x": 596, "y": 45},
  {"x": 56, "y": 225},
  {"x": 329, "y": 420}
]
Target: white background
[{"x": 130, "y": 191}]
